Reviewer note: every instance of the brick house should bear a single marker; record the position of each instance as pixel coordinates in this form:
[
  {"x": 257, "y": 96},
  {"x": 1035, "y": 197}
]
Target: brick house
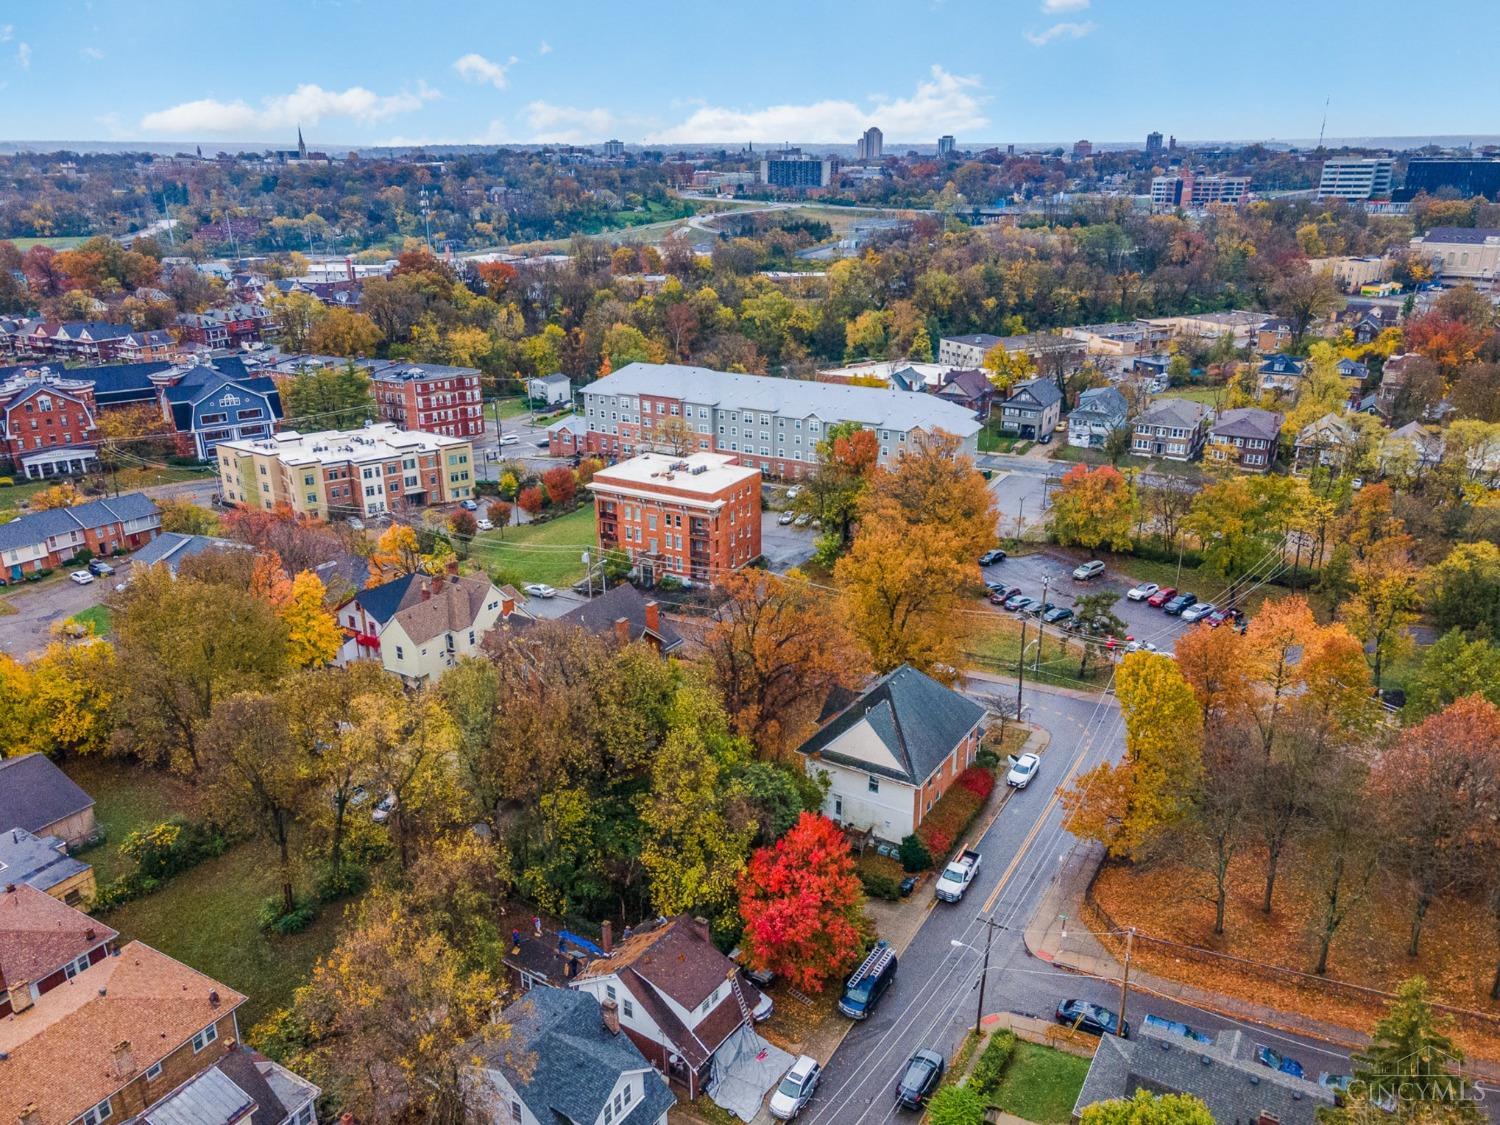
[
  {"x": 228, "y": 326},
  {"x": 430, "y": 398},
  {"x": 691, "y": 517},
  {"x": 969, "y": 388},
  {"x": 1170, "y": 427},
  {"x": 893, "y": 751},
  {"x": 1252, "y": 434},
  {"x": 48, "y": 424},
  {"x": 44, "y": 943},
  {"x": 1032, "y": 409},
  {"x": 50, "y": 538}
]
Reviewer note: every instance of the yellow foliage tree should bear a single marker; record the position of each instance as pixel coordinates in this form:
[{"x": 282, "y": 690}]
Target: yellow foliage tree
[
  {"x": 63, "y": 495},
  {"x": 313, "y": 637},
  {"x": 396, "y": 553},
  {"x": 60, "y": 703}
]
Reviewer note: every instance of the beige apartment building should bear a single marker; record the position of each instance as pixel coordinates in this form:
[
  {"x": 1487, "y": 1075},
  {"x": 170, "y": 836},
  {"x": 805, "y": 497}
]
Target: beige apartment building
[{"x": 340, "y": 473}]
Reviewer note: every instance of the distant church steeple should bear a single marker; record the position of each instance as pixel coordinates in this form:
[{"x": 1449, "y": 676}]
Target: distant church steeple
[{"x": 301, "y": 144}]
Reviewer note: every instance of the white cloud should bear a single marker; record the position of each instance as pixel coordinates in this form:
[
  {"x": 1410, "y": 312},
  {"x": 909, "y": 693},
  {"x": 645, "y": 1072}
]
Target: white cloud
[
  {"x": 1051, "y": 7},
  {"x": 565, "y": 124},
  {"x": 1065, "y": 30},
  {"x": 545, "y": 48},
  {"x": 942, "y": 103},
  {"x": 91, "y": 53},
  {"x": 23, "y": 55},
  {"x": 7, "y": 32},
  {"x": 308, "y": 104},
  {"x": 477, "y": 68}
]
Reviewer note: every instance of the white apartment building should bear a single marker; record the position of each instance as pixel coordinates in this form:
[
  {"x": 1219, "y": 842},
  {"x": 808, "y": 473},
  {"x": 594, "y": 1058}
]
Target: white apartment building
[{"x": 1357, "y": 178}]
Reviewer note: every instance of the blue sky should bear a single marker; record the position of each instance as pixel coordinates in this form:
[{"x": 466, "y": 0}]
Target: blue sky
[{"x": 378, "y": 71}]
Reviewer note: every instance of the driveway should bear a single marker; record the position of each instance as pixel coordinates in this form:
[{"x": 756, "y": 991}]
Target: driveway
[
  {"x": 38, "y": 608},
  {"x": 784, "y": 547}
]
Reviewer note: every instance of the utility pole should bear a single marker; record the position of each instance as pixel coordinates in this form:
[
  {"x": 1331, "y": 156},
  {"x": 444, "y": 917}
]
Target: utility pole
[
  {"x": 1021, "y": 668},
  {"x": 1041, "y": 629},
  {"x": 1125, "y": 978},
  {"x": 989, "y": 936}
]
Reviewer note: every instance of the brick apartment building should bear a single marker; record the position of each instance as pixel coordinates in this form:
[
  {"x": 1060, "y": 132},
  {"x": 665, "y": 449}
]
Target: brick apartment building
[
  {"x": 47, "y": 424},
  {"x": 340, "y": 473},
  {"x": 228, "y": 326},
  {"x": 429, "y": 398},
  {"x": 691, "y": 517},
  {"x": 53, "y": 536},
  {"x": 770, "y": 424}
]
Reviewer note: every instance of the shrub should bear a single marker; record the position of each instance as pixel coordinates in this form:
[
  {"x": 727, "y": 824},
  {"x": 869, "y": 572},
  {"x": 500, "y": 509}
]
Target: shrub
[
  {"x": 6, "y": 482},
  {"x": 978, "y": 781},
  {"x": 987, "y": 758},
  {"x": 993, "y": 1060},
  {"x": 83, "y": 557},
  {"x": 343, "y": 881},
  {"x": 942, "y": 826},
  {"x": 171, "y": 847},
  {"x": 914, "y": 854},
  {"x": 880, "y": 875},
  {"x": 955, "y": 1105},
  {"x": 273, "y": 920}
]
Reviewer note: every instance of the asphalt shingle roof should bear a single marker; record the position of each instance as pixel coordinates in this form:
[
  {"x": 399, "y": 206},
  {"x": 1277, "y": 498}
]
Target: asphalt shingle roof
[
  {"x": 1178, "y": 412},
  {"x": 1472, "y": 236},
  {"x": 1043, "y": 392},
  {"x": 1106, "y": 402},
  {"x": 917, "y": 719},
  {"x": 562, "y": 1061},
  {"x": 598, "y": 616},
  {"x": 35, "y": 794},
  {"x": 1248, "y": 422},
  {"x": 34, "y": 527}
]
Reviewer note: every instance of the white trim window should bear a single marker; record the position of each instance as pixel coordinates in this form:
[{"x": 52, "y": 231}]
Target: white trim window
[
  {"x": 97, "y": 1114},
  {"x": 208, "y": 1035}
]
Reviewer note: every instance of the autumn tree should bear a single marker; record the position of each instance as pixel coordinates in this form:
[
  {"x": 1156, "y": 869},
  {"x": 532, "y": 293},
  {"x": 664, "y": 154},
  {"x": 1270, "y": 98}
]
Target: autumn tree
[
  {"x": 672, "y": 435},
  {"x": 301, "y": 542},
  {"x": 329, "y": 398},
  {"x": 1302, "y": 296},
  {"x": 846, "y": 457},
  {"x": 1452, "y": 668},
  {"x": 776, "y": 650},
  {"x": 344, "y": 332},
  {"x": 313, "y": 636},
  {"x": 1438, "y": 792},
  {"x": 60, "y": 703},
  {"x": 1465, "y": 590},
  {"x": 1145, "y": 1108},
  {"x": 297, "y": 314},
  {"x": 257, "y": 771},
  {"x": 181, "y": 515},
  {"x": 531, "y": 500},
  {"x": 183, "y": 644},
  {"x": 1386, "y": 594},
  {"x": 1006, "y": 368},
  {"x": 1093, "y": 508},
  {"x": 561, "y": 485},
  {"x": 65, "y": 495},
  {"x": 803, "y": 906},
  {"x": 1128, "y": 804},
  {"x": 396, "y": 553},
  {"x": 1239, "y": 522},
  {"x": 1343, "y": 866}
]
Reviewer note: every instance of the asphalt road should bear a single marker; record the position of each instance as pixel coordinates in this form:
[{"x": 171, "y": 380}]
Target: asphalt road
[{"x": 933, "y": 1000}]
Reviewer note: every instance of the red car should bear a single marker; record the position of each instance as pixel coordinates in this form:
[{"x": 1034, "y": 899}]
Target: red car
[{"x": 1162, "y": 597}]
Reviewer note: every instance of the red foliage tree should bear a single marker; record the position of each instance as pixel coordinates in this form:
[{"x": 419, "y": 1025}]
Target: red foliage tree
[
  {"x": 803, "y": 905},
  {"x": 1449, "y": 342},
  {"x": 561, "y": 484},
  {"x": 531, "y": 499},
  {"x": 496, "y": 276},
  {"x": 499, "y": 513},
  {"x": 463, "y": 523}
]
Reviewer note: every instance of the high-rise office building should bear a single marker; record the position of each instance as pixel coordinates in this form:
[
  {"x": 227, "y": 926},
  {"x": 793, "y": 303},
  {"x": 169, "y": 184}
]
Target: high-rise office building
[
  {"x": 1082, "y": 150},
  {"x": 869, "y": 145},
  {"x": 614, "y": 148},
  {"x": 1357, "y": 178},
  {"x": 947, "y": 146},
  {"x": 1153, "y": 144},
  {"x": 1466, "y": 176},
  {"x": 1193, "y": 191}
]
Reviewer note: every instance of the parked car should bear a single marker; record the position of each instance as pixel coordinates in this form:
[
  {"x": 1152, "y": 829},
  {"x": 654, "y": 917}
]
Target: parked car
[
  {"x": 1141, "y": 646},
  {"x": 468, "y": 505},
  {"x": 1017, "y": 602},
  {"x": 483, "y": 525},
  {"x": 867, "y": 984},
  {"x": 1284, "y": 1063},
  {"x": 356, "y": 524},
  {"x": 540, "y": 590},
  {"x": 1037, "y": 608},
  {"x": 800, "y": 521},
  {"x": 1091, "y": 569},
  {"x": 1175, "y": 607},
  {"x": 383, "y": 809},
  {"x": 1142, "y": 592},
  {"x": 1198, "y": 611},
  {"x": 1057, "y": 614},
  {"x": 1224, "y": 616},
  {"x": 1022, "y": 769},
  {"x": 786, "y": 518},
  {"x": 1092, "y": 1018},
  {"x": 908, "y": 884},
  {"x": 796, "y": 1088},
  {"x": 763, "y": 1008},
  {"x": 100, "y": 569},
  {"x": 1162, "y": 597},
  {"x": 1004, "y": 594},
  {"x": 1335, "y": 1084},
  {"x": 82, "y": 577},
  {"x": 761, "y": 978},
  {"x": 991, "y": 557},
  {"x": 920, "y": 1079},
  {"x": 1176, "y": 1027},
  {"x": 794, "y": 492}
]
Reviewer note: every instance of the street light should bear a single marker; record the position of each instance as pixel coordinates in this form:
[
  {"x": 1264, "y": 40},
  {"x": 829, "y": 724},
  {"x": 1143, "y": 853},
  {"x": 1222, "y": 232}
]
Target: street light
[{"x": 989, "y": 936}]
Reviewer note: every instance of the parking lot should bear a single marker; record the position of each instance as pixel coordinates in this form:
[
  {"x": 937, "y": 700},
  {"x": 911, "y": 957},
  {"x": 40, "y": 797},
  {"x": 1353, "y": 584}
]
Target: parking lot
[{"x": 1054, "y": 569}]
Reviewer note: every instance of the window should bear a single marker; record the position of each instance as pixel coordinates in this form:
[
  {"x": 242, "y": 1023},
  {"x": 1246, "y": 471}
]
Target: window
[
  {"x": 400, "y": 654},
  {"x": 609, "y": 1112},
  {"x": 73, "y": 968},
  {"x": 628, "y": 1091},
  {"x": 874, "y": 785},
  {"x": 619, "y": 1102},
  {"x": 100, "y": 1112},
  {"x": 515, "y": 1111},
  {"x": 304, "y": 1116},
  {"x": 153, "y": 1071},
  {"x": 205, "y": 1037},
  {"x": 609, "y": 991},
  {"x": 629, "y": 1010}
]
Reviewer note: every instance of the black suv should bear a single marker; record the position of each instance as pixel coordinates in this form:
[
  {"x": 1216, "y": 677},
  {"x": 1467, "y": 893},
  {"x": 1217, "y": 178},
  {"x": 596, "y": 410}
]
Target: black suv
[{"x": 919, "y": 1081}]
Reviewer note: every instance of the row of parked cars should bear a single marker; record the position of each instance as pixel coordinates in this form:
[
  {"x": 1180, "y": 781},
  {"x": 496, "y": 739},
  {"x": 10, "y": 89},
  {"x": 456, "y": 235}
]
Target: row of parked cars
[{"x": 1184, "y": 604}]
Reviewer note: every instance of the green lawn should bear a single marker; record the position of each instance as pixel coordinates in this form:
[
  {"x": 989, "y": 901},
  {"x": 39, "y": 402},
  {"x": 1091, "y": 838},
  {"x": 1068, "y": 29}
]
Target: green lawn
[
  {"x": 126, "y": 797},
  {"x": 126, "y": 480},
  {"x": 509, "y": 407},
  {"x": 1159, "y": 467},
  {"x": 60, "y": 242},
  {"x": 96, "y": 617},
  {"x": 996, "y": 645},
  {"x": 206, "y": 918},
  {"x": 1041, "y": 1084},
  {"x": 547, "y": 552},
  {"x": 1208, "y": 396}
]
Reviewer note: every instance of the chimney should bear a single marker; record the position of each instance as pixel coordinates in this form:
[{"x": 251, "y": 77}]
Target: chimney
[
  {"x": 213, "y": 997},
  {"x": 702, "y": 926},
  {"x": 20, "y": 996},
  {"x": 1267, "y": 1119},
  {"x": 653, "y": 617},
  {"x": 607, "y": 936},
  {"x": 30, "y": 1115},
  {"x": 123, "y": 1059},
  {"x": 426, "y": 590},
  {"x": 452, "y": 567},
  {"x": 622, "y": 629},
  {"x": 611, "y": 1012}
]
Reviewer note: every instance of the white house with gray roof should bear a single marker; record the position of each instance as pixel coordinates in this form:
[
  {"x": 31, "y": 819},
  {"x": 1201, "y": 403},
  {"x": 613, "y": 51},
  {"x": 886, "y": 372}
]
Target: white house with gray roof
[
  {"x": 1100, "y": 412},
  {"x": 1172, "y": 428},
  {"x": 893, "y": 751},
  {"x": 770, "y": 424}
]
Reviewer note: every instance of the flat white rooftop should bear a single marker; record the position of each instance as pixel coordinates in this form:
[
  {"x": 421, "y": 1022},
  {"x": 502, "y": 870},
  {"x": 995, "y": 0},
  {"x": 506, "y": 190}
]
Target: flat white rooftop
[
  {"x": 705, "y": 474},
  {"x": 374, "y": 442}
]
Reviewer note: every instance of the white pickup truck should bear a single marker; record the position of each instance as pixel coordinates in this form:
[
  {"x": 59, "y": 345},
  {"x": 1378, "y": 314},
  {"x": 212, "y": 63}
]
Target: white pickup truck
[{"x": 957, "y": 876}]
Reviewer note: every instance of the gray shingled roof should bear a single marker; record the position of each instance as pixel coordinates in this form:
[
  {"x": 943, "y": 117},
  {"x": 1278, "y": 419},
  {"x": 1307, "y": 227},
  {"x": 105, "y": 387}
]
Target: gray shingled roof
[
  {"x": 918, "y": 719},
  {"x": 1043, "y": 392},
  {"x": 41, "y": 861},
  {"x": 793, "y": 398},
  {"x": 1179, "y": 412},
  {"x": 1248, "y": 422},
  {"x": 34, "y": 527},
  {"x": 1471, "y": 236},
  {"x": 598, "y": 616},
  {"x": 171, "y": 547},
  {"x": 1106, "y": 402},
  {"x": 34, "y": 793},
  {"x": 1224, "y": 1074},
  {"x": 563, "y": 1063}
]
